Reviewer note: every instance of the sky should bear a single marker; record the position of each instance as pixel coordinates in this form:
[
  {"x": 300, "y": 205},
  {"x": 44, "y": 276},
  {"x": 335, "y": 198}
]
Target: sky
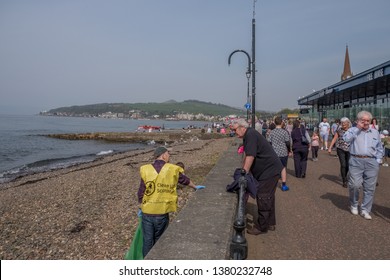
[{"x": 56, "y": 53}]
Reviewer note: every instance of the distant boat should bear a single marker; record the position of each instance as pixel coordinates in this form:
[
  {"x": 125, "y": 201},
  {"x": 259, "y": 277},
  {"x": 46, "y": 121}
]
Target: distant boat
[{"x": 149, "y": 127}]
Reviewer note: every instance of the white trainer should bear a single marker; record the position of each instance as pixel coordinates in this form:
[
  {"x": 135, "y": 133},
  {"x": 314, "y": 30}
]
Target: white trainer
[
  {"x": 354, "y": 210},
  {"x": 365, "y": 215}
]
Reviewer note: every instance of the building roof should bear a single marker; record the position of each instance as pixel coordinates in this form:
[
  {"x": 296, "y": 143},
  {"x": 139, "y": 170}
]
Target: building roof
[{"x": 371, "y": 82}]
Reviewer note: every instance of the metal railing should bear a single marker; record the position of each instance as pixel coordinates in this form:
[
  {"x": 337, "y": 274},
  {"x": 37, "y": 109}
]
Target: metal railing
[{"x": 239, "y": 245}]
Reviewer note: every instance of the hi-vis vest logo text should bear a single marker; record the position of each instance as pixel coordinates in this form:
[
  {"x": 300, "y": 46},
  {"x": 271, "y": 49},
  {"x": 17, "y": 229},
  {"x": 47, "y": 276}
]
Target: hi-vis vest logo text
[{"x": 150, "y": 188}]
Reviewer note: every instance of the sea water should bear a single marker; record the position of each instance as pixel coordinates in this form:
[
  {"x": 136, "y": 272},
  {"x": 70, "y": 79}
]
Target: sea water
[{"x": 25, "y": 148}]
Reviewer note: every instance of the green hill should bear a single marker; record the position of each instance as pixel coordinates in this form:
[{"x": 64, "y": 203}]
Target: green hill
[{"x": 170, "y": 107}]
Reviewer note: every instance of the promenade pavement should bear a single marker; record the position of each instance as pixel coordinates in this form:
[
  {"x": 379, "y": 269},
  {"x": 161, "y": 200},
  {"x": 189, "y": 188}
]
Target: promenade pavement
[{"x": 313, "y": 220}]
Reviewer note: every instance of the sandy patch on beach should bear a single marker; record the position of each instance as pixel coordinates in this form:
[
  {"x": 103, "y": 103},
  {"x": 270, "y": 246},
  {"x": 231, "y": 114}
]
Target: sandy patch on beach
[{"x": 88, "y": 211}]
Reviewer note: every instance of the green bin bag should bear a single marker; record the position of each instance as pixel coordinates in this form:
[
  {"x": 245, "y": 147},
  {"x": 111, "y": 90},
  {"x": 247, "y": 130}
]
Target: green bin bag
[{"x": 135, "y": 250}]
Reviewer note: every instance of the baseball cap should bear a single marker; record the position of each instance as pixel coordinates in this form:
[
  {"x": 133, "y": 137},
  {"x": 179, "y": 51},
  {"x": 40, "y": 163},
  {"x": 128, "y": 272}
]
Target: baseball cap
[
  {"x": 159, "y": 151},
  {"x": 385, "y": 132}
]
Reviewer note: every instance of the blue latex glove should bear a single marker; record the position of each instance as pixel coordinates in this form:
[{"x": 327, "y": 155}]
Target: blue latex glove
[
  {"x": 199, "y": 187},
  {"x": 139, "y": 213}
]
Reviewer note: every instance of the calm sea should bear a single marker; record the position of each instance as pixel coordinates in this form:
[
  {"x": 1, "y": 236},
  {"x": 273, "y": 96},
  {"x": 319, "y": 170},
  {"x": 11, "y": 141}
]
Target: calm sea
[{"x": 24, "y": 148}]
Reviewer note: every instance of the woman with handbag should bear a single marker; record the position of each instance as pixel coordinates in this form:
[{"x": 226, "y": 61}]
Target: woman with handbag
[
  {"x": 342, "y": 148},
  {"x": 301, "y": 145}
]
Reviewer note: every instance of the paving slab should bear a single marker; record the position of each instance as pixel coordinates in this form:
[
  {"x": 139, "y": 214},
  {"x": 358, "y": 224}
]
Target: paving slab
[{"x": 314, "y": 221}]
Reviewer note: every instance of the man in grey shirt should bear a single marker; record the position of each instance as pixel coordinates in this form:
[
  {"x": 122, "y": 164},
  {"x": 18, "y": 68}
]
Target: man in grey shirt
[{"x": 366, "y": 152}]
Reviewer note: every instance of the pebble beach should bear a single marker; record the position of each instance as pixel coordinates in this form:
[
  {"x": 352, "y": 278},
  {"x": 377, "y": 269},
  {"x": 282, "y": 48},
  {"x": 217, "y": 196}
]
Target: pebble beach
[{"x": 88, "y": 211}]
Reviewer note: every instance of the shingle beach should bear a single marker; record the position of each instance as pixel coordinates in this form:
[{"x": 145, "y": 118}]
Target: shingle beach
[{"x": 88, "y": 211}]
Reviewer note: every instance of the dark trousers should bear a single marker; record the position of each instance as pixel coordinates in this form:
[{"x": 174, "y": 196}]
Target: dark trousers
[
  {"x": 152, "y": 229},
  {"x": 265, "y": 199},
  {"x": 300, "y": 161},
  {"x": 314, "y": 151},
  {"x": 344, "y": 166}
]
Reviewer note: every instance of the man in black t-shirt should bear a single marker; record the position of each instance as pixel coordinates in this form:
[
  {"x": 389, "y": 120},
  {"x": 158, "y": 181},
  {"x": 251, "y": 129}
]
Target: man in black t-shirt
[{"x": 261, "y": 160}]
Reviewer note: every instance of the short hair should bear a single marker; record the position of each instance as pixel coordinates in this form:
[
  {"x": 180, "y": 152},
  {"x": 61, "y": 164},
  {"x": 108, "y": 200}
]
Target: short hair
[
  {"x": 345, "y": 119},
  {"x": 278, "y": 120},
  {"x": 240, "y": 122},
  {"x": 361, "y": 114}
]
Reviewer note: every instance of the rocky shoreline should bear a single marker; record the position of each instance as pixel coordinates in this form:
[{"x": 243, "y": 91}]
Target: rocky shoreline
[
  {"x": 89, "y": 211},
  {"x": 162, "y": 137}
]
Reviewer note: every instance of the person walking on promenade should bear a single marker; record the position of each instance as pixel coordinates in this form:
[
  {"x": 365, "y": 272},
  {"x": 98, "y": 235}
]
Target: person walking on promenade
[
  {"x": 334, "y": 127},
  {"x": 281, "y": 143},
  {"x": 271, "y": 127},
  {"x": 315, "y": 145},
  {"x": 366, "y": 152},
  {"x": 158, "y": 195},
  {"x": 342, "y": 148},
  {"x": 262, "y": 161},
  {"x": 264, "y": 128},
  {"x": 289, "y": 126},
  {"x": 374, "y": 124},
  {"x": 258, "y": 125},
  {"x": 324, "y": 128},
  {"x": 386, "y": 144},
  {"x": 300, "y": 147}
]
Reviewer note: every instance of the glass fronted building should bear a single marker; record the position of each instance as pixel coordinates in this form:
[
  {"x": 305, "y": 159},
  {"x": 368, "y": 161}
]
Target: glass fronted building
[{"x": 369, "y": 91}]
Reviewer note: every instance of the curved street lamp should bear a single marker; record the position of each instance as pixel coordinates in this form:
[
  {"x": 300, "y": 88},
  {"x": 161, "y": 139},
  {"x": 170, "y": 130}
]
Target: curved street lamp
[{"x": 248, "y": 75}]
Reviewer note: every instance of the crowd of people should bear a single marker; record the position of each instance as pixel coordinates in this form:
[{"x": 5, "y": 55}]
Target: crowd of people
[
  {"x": 360, "y": 148},
  {"x": 266, "y": 149}
]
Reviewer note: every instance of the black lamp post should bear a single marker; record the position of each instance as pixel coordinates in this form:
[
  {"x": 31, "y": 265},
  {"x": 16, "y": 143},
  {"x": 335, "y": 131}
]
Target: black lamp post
[
  {"x": 251, "y": 67},
  {"x": 248, "y": 75}
]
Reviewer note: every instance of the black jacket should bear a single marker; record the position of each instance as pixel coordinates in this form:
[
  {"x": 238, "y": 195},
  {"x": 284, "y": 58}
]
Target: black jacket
[{"x": 252, "y": 183}]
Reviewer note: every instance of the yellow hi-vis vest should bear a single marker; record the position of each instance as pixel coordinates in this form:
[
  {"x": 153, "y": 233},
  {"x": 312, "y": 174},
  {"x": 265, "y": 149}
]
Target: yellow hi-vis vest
[{"x": 160, "y": 195}]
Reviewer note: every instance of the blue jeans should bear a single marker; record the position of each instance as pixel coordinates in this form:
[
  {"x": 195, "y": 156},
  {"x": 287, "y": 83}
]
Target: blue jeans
[
  {"x": 363, "y": 172},
  {"x": 152, "y": 229}
]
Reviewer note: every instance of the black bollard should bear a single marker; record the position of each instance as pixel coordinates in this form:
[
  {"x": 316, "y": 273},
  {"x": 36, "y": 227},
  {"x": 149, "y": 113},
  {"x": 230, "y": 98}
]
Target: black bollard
[{"x": 238, "y": 245}]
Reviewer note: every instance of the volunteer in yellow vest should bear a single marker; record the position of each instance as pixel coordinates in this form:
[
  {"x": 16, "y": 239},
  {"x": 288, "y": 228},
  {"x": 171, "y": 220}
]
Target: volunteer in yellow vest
[{"x": 158, "y": 196}]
